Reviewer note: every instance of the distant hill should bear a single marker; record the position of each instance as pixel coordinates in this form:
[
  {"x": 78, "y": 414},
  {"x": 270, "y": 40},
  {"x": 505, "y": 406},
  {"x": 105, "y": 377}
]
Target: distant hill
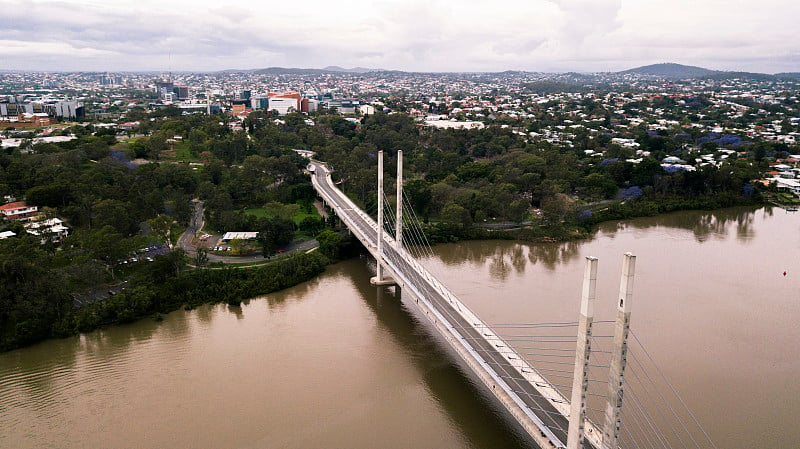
[
  {"x": 336, "y": 68},
  {"x": 546, "y": 87},
  {"x": 740, "y": 75},
  {"x": 671, "y": 70},
  {"x": 287, "y": 71},
  {"x": 788, "y": 75},
  {"x": 299, "y": 71}
]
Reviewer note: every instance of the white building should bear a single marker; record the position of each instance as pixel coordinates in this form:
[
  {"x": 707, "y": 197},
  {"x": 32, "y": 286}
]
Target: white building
[
  {"x": 792, "y": 185},
  {"x": 228, "y": 236},
  {"x": 366, "y": 109},
  {"x": 283, "y": 105},
  {"x": 52, "y": 229},
  {"x": 448, "y": 124}
]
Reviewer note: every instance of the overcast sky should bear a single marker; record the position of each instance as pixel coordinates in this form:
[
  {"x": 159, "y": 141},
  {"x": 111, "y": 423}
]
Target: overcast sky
[{"x": 411, "y": 35}]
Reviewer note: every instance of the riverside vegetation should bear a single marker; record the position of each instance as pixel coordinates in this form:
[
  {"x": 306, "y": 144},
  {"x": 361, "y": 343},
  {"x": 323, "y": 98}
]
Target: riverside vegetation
[{"x": 120, "y": 196}]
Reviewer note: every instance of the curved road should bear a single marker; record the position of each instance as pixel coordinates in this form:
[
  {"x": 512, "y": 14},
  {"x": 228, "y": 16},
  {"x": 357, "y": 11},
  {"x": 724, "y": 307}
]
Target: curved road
[{"x": 196, "y": 224}]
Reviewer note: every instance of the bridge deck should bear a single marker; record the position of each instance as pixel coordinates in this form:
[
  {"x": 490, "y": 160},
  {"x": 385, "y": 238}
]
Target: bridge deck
[{"x": 542, "y": 406}]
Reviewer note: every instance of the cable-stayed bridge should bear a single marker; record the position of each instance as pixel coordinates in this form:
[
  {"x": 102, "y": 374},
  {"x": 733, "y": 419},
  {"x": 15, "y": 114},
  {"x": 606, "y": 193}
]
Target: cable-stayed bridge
[{"x": 536, "y": 404}]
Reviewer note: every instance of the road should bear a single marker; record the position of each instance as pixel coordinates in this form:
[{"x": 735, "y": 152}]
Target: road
[
  {"x": 195, "y": 224},
  {"x": 532, "y": 398},
  {"x": 185, "y": 242}
]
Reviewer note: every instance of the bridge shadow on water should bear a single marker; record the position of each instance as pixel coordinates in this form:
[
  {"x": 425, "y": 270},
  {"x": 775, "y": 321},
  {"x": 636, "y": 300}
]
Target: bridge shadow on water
[{"x": 482, "y": 422}]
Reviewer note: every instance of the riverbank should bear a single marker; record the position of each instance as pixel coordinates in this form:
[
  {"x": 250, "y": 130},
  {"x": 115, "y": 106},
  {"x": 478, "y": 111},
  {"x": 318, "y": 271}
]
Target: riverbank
[
  {"x": 333, "y": 350},
  {"x": 153, "y": 297},
  {"x": 583, "y": 223},
  {"x": 187, "y": 289}
]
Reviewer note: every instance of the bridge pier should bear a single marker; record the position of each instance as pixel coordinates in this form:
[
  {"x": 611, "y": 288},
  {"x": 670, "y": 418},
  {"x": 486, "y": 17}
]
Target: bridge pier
[{"x": 381, "y": 282}]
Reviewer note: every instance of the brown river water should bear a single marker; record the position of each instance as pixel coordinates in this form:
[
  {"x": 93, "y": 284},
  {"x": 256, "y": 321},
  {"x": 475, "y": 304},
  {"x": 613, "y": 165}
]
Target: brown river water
[{"x": 335, "y": 363}]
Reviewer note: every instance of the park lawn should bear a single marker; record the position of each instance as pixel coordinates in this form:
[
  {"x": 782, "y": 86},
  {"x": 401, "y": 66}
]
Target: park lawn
[
  {"x": 179, "y": 153},
  {"x": 262, "y": 213},
  {"x": 297, "y": 218},
  {"x": 182, "y": 152}
]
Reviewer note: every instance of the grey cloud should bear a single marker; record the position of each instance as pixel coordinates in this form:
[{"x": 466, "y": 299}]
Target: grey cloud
[{"x": 410, "y": 35}]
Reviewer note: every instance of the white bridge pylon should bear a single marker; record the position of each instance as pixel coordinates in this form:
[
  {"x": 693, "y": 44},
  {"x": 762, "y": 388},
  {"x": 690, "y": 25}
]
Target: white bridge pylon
[{"x": 535, "y": 404}]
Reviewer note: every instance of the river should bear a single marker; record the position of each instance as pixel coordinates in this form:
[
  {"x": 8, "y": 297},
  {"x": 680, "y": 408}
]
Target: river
[{"x": 335, "y": 363}]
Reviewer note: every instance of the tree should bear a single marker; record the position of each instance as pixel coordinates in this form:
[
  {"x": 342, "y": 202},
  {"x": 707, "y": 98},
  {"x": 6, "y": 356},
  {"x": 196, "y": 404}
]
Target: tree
[
  {"x": 454, "y": 214},
  {"x": 598, "y": 186},
  {"x": 518, "y": 210},
  {"x": 311, "y": 225},
  {"x": 162, "y": 227},
  {"x": 418, "y": 194},
  {"x": 274, "y": 232},
  {"x": 283, "y": 211},
  {"x": 107, "y": 245},
  {"x": 644, "y": 173},
  {"x": 201, "y": 257},
  {"x": 236, "y": 246},
  {"x": 267, "y": 242},
  {"x": 114, "y": 213},
  {"x": 556, "y": 209},
  {"x": 329, "y": 242}
]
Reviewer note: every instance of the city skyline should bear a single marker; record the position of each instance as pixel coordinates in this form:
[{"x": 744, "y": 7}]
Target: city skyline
[{"x": 433, "y": 36}]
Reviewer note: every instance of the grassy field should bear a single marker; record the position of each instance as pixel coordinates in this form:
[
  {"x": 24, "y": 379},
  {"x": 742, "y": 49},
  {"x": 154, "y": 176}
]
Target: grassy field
[
  {"x": 261, "y": 213},
  {"x": 297, "y": 218},
  {"x": 182, "y": 152}
]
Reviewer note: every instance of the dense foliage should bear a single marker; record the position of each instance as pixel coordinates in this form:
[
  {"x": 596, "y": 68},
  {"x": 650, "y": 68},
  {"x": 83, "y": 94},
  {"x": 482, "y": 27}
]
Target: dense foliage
[
  {"x": 468, "y": 177},
  {"x": 116, "y": 205},
  {"x": 51, "y": 313},
  {"x": 118, "y": 197}
]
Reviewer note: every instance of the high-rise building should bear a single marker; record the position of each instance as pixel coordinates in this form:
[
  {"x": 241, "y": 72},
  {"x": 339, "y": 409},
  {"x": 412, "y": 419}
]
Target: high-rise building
[
  {"x": 164, "y": 87},
  {"x": 181, "y": 92},
  {"x": 259, "y": 102},
  {"x": 67, "y": 109}
]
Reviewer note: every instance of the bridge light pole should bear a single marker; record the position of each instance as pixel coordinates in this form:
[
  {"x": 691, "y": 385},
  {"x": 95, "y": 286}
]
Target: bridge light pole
[
  {"x": 619, "y": 354},
  {"x": 398, "y": 231},
  {"x": 580, "y": 378}
]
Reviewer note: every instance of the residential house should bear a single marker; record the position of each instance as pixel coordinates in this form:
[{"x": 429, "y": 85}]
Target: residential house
[{"x": 19, "y": 211}]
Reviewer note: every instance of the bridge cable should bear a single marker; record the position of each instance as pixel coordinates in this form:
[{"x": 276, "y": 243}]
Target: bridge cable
[
  {"x": 635, "y": 402},
  {"x": 635, "y": 376},
  {"x": 635, "y": 360},
  {"x": 633, "y": 409},
  {"x": 697, "y": 423},
  {"x": 424, "y": 243},
  {"x": 531, "y": 326},
  {"x": 658, "y": 395},
  {"x": 418, "y": 240},
  {"x": 551, "y": 413},
  {"x": 425, "y": 248},
  {"x": 629, "y": 437},
  {"x": 635, "y": 422}
]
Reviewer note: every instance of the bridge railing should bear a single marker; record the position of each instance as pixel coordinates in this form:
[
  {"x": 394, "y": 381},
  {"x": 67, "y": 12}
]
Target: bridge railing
[{"x": 511, "y": 356}]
